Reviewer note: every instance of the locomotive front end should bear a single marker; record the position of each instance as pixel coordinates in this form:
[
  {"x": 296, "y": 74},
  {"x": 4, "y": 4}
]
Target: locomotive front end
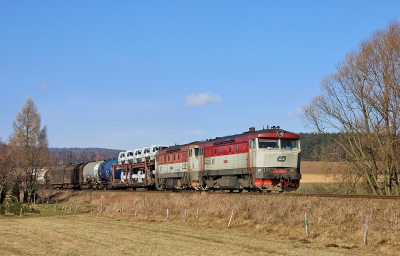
[{"x": 275, "y": 160}]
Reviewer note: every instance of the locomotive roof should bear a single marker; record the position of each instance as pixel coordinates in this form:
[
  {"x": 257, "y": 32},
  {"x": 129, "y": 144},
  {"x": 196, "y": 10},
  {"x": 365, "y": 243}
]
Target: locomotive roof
[
  {"x": 253, "y": 134},
  {"x": 236, "y": 138}
]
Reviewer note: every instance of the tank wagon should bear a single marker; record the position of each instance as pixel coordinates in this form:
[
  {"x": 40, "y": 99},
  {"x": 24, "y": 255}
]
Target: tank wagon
[
  {"x": 104, "y": 174},
  {"x": 265, "y": 160}
]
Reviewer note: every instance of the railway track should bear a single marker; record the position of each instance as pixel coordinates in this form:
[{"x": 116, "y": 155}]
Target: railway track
[{"x": 346, "y": 196}]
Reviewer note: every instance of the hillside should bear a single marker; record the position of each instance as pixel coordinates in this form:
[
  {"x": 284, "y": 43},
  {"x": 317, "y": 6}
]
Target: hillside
[{"x": 80, "y": 155}]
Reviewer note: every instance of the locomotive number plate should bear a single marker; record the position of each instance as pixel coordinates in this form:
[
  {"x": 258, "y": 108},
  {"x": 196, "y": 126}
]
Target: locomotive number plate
[{"x": 279, "y": 171}]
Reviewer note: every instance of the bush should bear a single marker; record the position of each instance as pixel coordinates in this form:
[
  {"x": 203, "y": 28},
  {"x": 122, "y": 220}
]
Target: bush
[{"x": 15, "y": 208}]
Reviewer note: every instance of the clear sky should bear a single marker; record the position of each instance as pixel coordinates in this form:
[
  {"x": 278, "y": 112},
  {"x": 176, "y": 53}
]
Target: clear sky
[{"x": 127, "y": 74}]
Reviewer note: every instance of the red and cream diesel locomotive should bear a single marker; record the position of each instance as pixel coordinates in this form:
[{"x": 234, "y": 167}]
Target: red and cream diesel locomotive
[{"x": 265, "y": 160}]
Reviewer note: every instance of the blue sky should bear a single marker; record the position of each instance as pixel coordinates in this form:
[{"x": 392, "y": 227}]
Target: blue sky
[{"x": 127, "y": 74}]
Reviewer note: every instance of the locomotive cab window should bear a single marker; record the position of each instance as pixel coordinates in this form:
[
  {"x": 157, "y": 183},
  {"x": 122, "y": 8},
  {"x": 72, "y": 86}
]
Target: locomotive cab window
[
  {"x": 215, "y": 151},
  {"x": 289, "y": 144},
  {"x": 196, "y": 152},
  {"x": 268, "y": 143}
]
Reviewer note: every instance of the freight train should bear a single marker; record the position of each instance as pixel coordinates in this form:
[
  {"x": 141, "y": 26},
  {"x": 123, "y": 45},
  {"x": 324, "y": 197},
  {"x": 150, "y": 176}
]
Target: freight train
[{"x": 264, "y": 160}]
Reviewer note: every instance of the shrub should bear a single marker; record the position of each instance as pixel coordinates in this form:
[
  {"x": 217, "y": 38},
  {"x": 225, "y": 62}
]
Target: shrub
[{"x": 15, "y": 208}]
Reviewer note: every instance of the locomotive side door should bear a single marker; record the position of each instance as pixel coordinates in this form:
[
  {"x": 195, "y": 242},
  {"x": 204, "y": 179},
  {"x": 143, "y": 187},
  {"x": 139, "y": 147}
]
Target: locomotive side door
[
  {"x": 252, "y": 157},
  {"x": 194, "y": 164}
]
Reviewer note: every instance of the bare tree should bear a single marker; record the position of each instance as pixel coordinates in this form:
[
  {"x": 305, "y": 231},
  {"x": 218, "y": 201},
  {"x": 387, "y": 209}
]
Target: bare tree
[
  {"x": 7, "y": 169},
  {"x": 361, "y": 101},
  {"x": 28, "y": 144}
]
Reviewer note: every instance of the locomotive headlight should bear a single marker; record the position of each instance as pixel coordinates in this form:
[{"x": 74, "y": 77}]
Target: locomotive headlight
[
  {"x": 292, "y": 170},
  {"x": 267, "y": 170},
  {"x": 280, "y": 133}
]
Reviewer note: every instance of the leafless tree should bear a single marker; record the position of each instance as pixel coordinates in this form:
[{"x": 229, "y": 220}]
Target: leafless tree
[
  {"x": 361, "y": 101},
  {"x": 7, "y": 169},
  {"x": 28, "y": 144}
]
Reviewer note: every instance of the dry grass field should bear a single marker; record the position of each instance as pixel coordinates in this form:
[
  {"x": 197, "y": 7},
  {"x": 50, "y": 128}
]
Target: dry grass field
[
  {"x": 316, "y": 172},
  {"x": 313, "y": 172},
  {"x": 98, "y": 235},
  {"x": 135, "y": 223}
]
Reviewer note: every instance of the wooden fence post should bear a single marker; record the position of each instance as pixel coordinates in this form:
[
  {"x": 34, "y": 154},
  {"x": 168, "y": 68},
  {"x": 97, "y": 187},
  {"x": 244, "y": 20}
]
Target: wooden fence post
[
  {"x": 185, "y": 215},
  {"x": 366, "y": 228},
  {"x": 306, "y": 223},
  {"x": 230, "y": 220}
]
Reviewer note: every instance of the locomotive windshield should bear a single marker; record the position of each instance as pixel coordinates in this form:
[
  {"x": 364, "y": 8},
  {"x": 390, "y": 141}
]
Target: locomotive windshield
[
  {"x": 276, "y": 144},
  {"x": 268, "y": 143},
  {"x": 289, "y": 144}
]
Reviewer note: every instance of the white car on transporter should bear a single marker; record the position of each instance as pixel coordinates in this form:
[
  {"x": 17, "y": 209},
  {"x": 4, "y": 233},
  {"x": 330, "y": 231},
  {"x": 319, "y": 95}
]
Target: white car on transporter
[
  {"x": 154, "y": 149},
  {"x": 130, "y": 155},
  {"x": 145, "y": 154},
  {"x": 136, "y": 157},
  {"x": 122, "y": 157}
]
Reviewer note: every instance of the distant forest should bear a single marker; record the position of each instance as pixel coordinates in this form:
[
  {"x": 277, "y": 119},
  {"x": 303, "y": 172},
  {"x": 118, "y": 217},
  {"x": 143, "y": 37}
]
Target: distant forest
[
  {"x": 80, "y": 155},
  {"x": 312, "y": 144}
]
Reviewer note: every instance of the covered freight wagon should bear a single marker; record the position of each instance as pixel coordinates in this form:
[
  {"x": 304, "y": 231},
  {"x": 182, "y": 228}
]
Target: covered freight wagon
[
  {"x": 56, "y": 176},
  {"x": 73, "y": 175}
]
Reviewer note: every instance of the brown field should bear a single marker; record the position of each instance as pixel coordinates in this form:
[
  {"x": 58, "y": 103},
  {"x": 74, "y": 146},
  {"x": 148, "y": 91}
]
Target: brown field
[
  {"x": 135, "y": 223},
  {"x": 316, "y": 172},
  {"x": 97, "y": 235},
  {"x": 310, "y": 167}
]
